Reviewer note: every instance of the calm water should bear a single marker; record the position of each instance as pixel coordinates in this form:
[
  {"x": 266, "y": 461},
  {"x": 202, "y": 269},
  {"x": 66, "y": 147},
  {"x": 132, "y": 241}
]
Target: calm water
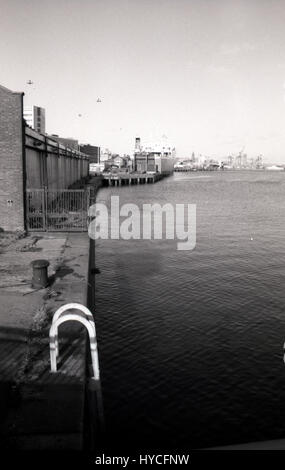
[{"x": 191, "y": 343}]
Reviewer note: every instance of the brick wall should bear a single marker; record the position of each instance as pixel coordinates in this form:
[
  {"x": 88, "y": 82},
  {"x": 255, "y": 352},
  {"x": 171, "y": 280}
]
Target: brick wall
[
  {"x": 93, "y": 151},
  {"x": 11, "y": 160},
  {"x": 47, "y": 163}
]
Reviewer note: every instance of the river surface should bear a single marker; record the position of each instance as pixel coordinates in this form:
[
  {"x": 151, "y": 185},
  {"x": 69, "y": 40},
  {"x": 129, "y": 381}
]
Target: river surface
[{"x": 191, "y": 342}]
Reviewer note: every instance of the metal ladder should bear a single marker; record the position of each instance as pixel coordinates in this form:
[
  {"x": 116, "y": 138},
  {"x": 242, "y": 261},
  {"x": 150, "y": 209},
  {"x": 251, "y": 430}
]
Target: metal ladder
[{"x": 86, "y": 319}]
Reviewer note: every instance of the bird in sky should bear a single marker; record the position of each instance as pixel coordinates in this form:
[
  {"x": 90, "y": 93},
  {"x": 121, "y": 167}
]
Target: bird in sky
[{"x": 99, "y": 100}]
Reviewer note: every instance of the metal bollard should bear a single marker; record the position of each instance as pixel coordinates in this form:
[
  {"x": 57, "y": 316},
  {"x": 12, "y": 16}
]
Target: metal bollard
[{"x": 40, "y": 273}]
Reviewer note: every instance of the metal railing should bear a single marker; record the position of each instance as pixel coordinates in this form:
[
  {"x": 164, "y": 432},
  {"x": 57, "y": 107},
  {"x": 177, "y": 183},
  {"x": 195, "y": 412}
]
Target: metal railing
[{"x": 57, "y": 210}]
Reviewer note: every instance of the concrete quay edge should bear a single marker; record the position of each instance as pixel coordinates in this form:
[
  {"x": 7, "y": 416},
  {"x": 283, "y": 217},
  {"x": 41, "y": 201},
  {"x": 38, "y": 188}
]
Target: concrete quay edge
[{"x": 49, "y": 411}]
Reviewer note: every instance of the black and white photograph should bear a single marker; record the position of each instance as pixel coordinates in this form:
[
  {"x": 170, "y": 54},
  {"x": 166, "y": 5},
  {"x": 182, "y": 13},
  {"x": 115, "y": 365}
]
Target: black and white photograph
[{"x": 142, "y": 222}]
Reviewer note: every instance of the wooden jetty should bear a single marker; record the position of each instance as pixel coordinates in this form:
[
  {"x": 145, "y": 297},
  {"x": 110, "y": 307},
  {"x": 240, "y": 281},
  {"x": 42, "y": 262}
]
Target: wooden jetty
[{"x": 119, "y": 179}]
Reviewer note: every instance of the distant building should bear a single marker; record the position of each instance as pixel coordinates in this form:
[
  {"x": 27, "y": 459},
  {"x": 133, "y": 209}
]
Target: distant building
[
  {"x": 105, "y": 155},
  {"x": 93, "y": 151},
  {"x": 35, "y": 117},
  {"x": 118, "y": 162},
  {"x": 96, "y": 168},
  {"x": 68, "y": 142},
  {"x": 144, "y": 162}
]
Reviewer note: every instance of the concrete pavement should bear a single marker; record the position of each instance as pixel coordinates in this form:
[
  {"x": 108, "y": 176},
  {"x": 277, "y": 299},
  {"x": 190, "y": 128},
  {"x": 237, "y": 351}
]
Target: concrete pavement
[{"x": 40, "y": 410}]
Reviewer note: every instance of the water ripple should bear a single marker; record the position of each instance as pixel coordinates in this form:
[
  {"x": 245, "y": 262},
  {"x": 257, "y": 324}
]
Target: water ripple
[{"x": 191, "y": 344}]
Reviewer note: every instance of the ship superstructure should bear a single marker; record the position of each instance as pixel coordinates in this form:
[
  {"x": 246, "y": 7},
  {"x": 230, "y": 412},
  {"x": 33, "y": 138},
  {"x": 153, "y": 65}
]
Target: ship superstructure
[{"x": 154, "y": 158}]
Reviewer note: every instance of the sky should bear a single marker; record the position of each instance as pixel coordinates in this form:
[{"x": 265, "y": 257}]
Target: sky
[{"x": 208, "y": 74}]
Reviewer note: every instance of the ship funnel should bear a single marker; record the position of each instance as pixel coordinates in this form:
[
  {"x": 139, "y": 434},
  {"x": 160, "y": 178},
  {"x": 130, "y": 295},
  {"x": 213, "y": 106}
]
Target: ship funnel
[{"x": 138, "y": 143}]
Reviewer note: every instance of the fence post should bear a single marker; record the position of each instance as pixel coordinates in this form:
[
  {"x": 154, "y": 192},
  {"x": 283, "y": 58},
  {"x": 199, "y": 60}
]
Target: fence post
[
  {"x": 27, "y": 195},
  {"x": 88, "y": 198},
  {"x": 45, "y": 209}
]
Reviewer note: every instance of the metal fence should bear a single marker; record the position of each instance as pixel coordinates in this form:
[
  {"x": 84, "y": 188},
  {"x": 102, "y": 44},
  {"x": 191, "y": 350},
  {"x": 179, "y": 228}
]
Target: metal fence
[{"x": 57, "y": 210}]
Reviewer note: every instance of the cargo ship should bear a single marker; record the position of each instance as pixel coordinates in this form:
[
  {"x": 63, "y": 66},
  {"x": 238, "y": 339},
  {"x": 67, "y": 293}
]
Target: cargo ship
[{"x": 157, "y": 158}]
